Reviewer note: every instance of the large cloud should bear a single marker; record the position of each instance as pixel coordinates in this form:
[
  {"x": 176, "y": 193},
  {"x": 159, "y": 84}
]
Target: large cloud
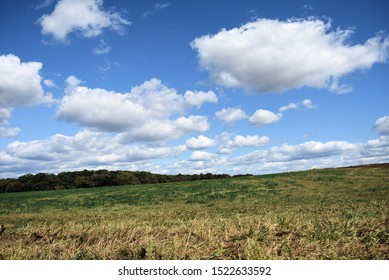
[
  {"x": 87, "y": 16},
  {"x": 20, "y": 86},
  {"x": 147, "y": 113},
  {"x": 275, "y": 56}
]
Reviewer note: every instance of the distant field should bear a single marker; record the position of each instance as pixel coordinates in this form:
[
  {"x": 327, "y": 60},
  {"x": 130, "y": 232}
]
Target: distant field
[{"x": 318, "y": 214}]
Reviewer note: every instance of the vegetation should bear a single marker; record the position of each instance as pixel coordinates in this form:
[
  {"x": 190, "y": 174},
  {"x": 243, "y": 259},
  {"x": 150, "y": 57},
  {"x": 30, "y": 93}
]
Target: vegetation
[
  {"x": 91, "y": 179},
  {"x": 317, "y": 214}
]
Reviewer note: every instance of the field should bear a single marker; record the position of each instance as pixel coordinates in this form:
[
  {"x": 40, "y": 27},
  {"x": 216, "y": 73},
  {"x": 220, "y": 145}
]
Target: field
[{"x": 317, "y": 214}]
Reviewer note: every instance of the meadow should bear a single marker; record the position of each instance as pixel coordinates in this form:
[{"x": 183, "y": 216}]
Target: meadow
[{"x": 338, "y": 213}]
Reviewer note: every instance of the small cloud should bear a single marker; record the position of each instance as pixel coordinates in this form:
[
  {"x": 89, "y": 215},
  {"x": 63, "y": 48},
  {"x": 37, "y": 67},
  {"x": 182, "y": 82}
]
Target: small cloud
[
  {"x": 307, "y": 7},
  {"x": 102, "y": 48},
  {"x": 231, "y": 115},
  {"x": 199, "y": 143},
  {"x": 291, "y": 106},
  {"x": 264, "y": 117},
  {"x": 247, "y": 141},
  {"x": 198, "y": 98},
  {"x": 49, "y": 83},
  {"x": 307, "y": 103},
  {"x": 44, "y": 4},
  {"x": 253, "y": 14},
  {"x": 201, "y": 156},
  {"x": 87, "y": 17},
  {"x": 157, "y": 7},
  {"x": 6, "y": 132}
]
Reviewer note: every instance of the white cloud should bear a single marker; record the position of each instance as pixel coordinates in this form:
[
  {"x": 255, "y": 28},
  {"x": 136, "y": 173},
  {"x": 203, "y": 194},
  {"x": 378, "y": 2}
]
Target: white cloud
[
  {"x": 248, "y": 141},
  {"x": 231, "y": 115},
  {"x": 85, "y": 150},
  {"x": 201, "y": 156},
  {"x": 264, "y": 117},
  {"x": 50, "y": 83},
  {"x": 198, "y": 98},
  {"x": 147, "y": 113},
  {"x": 201, "y": 142},
  {"x": 276, "y": 56},
  {"x": 5, "y": 114},
  {"x": 157, "y": 7},
  {"x": 382, "y": 125},
  {"x": 86, "y": 17},
  {"x": 43, "y": 4},
  {"x": 308, "y": 104},
  {"x": 20, "y": 86},
  {"x": 292, "y": 106},
  {"x": 102, "y": 48},
  {"x": 228, "y": 145},
  {"x": 6, "y": 132},
  {"x": 20, "y": 83},
  {"x": 192, "y": 123}
]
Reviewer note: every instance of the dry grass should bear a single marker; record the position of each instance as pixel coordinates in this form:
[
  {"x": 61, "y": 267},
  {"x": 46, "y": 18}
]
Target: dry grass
[{"x": 320, "y": 214}]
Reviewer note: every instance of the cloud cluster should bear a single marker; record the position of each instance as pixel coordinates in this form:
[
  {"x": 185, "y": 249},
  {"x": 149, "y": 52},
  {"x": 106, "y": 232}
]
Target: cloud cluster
[
  {"x": 150, "y": 112},
  {"x": 94, "y": 150},
  {"x": 86, "y": 17},
  {"x": 86, "y": 149},
  {"x": 276, "y": 56},
  {"x": 260, "y": 117},
  {"x": 20, "y": 86}
]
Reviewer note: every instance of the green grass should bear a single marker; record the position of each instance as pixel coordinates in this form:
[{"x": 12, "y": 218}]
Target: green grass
[{"x": 317, "y": 214}]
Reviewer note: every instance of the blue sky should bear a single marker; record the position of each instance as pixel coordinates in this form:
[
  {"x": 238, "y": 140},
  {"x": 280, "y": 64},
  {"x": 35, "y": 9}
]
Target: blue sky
[{"x": 192, "y": 86}]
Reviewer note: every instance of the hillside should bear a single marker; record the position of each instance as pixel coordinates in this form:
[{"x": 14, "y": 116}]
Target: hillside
[{"x": 318, "y": 214}]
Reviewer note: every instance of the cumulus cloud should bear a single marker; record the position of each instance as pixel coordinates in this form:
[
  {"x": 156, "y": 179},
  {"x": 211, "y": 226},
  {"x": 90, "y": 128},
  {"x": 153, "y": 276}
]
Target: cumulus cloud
[
  {"x": 201, "y": 156},
  {"x": 20, "y": 86},
  {"x": 228, "y": 145},
  {"x": 7, "y": 132},
  {"x": 276, "y": 56},
  {"x": 231, "y": 115},
  {"x": 5, "y": 114},
  {"x": 86, "y": 149},
  {"x": 147, "y": 113},
  {"x": 264, "y": 117},
  {"x": 198, "y": 98},
  {"x": 382, "y": 126},
  {"x": 86, "y": 17},
  {"x": 20, "y": 83},
  {"x": 201, "y": 142},
  {"x": 248, "y": 141},
  {"x": 307, "y": 103}
]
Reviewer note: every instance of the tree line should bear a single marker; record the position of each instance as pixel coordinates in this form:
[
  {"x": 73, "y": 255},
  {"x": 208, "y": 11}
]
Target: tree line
[{"x": 92, "y": 179}]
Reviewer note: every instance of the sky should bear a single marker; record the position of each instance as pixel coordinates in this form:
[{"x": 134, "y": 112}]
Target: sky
[{"x": 190, "y": 87}]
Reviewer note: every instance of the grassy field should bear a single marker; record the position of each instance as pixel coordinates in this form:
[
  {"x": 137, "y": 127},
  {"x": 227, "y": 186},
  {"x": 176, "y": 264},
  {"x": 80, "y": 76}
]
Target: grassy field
[{"x": 317, "y": 214}]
